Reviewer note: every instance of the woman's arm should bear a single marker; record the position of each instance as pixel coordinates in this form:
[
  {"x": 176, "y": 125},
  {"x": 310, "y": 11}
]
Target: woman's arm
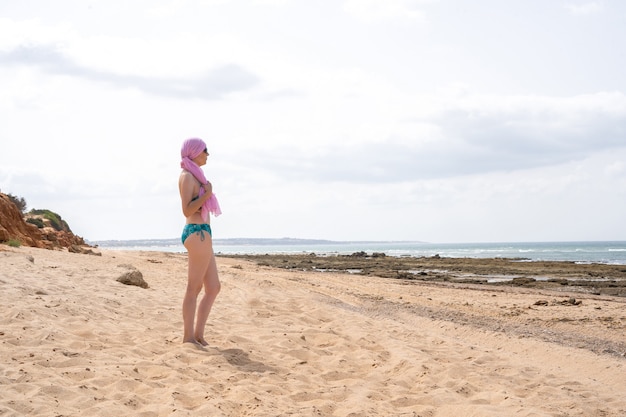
[{"x": 187, "y": 188}]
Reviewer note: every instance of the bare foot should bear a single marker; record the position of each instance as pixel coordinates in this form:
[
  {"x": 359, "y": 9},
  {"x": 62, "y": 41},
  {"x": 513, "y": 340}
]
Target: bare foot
[
  {"x": 193, "y": 342},
  {"x": 202, "y": 341}
]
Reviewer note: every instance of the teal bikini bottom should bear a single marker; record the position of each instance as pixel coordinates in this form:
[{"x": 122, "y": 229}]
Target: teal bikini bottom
[{"x": 196, "y": 228}]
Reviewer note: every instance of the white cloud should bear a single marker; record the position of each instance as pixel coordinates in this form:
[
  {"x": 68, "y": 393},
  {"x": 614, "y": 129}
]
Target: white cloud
[
  {"x": 31, "y": 31},
  {"x": 615, "y": 169},
  {"x": 585, "y": 8},
  {"x": 378, "y": 10},
  {"x": 272, "y": 2},
  {"x": 209, "y": 85},
  {"x": 474, "y": 135}
]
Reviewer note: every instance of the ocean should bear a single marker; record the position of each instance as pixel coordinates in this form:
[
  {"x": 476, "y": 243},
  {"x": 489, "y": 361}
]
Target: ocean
[{"x": 613, "y": 252}]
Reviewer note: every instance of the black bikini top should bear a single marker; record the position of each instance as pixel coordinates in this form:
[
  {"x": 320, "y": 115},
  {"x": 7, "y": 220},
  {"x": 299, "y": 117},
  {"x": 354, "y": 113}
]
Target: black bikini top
[{"x": 194, "y": 199}]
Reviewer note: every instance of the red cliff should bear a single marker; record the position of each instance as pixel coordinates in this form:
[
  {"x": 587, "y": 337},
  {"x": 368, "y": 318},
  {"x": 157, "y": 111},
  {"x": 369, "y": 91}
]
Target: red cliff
[{"x": 13, "y": 226}]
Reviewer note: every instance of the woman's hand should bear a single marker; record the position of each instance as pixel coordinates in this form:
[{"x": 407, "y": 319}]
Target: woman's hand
[{"x": 208, "y": 188}]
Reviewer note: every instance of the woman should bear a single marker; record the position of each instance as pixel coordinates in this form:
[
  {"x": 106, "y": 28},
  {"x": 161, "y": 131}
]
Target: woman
[{"x": 198, "y": 201}]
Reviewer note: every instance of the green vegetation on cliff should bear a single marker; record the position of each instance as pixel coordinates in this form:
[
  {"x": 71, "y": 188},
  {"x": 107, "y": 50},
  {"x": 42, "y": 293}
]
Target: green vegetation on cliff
[
  {"x": 19, "y": 202},
  {"x": 56, "y": 221}
]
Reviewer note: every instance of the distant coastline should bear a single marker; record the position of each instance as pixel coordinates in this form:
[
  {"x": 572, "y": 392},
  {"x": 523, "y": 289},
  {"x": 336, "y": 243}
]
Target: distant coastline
[
  {"x": 255, "y": 241},
  {"x": 609, "y": 252}
]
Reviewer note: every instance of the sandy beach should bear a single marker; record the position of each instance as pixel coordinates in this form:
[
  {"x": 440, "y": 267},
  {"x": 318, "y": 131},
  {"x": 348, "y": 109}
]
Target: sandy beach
[{"x": 292, "y": 342}]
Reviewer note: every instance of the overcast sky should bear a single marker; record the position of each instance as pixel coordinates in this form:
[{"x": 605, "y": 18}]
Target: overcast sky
[{"x": 429, "y": 120}]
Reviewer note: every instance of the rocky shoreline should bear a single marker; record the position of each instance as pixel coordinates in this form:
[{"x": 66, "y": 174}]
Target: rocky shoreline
[{"x": 598, "y": 279}]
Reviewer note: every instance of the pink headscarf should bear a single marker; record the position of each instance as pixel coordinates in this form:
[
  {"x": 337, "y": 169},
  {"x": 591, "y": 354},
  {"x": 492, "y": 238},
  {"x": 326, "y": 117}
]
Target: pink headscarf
[{"x": 192, "y": 148}]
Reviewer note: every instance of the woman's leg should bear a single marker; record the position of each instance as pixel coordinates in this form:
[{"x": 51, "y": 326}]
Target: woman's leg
[
  {"x": 212, "y": 287},
  {"x": 200, "y": 253}
]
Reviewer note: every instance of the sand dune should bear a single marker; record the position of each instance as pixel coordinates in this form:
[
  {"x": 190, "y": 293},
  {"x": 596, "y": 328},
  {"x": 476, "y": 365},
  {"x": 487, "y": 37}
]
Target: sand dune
[{"x": 74, "y": 341}]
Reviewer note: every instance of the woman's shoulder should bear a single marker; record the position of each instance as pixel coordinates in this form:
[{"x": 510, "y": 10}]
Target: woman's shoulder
[
  {"x": 187, "y": 177},
  {"x": 184, "y": 174}
]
